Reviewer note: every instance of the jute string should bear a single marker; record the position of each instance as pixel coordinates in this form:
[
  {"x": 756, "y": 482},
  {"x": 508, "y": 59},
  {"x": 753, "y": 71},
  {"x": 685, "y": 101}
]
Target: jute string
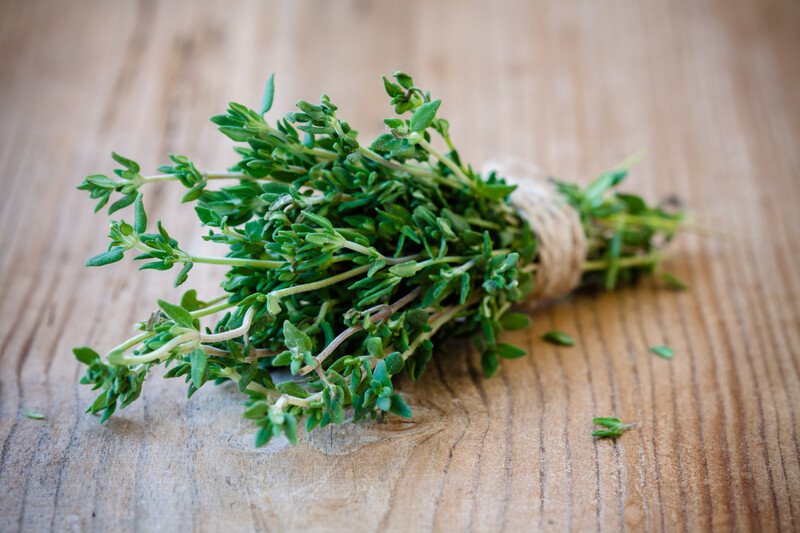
[{"x": 557, "y": 226}]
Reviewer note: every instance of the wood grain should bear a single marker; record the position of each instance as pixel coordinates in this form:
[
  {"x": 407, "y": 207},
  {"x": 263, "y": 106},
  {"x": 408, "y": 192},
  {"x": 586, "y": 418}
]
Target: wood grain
[{"x": 709, "y": 88}]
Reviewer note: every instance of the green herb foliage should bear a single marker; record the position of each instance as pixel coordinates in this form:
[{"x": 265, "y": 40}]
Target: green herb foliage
[
  {"x": 346, "y": 263},
  {"x": 614, "y": 428},
  {"x": 663, "y": 351},
  {"x": 673, "y": 281},
  {"x": 558, "y": 338}
]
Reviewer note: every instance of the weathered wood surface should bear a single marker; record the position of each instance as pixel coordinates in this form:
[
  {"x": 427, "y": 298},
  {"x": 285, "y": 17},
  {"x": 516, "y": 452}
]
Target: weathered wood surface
[{"x": 708, "y": 88}]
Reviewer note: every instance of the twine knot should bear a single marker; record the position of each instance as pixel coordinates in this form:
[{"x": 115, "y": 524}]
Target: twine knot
[{"x": 557, "y": 226}]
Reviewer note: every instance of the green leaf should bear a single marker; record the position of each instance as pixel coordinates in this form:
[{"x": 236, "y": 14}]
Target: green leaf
[
  {"x": 130, "y": 164},
  {"x": 509, "y": 351},
  {"x": 296, "y": 339},
  {"x": 86, "y": 355},
  {"x": 497, "y": 191},
  {"x": 267, "y": 96},
  {"x": 337, "y": 410},
  {"x": 594, "y": 192},
  {"x": 614, "y": 427},
  {"x": 102, "y": 181},
  {"x": 634, "y": 203},
  {"x": 292, "y": 388},
  {"x": 375, "y": 347},
  {"x": 34, "y": 415},
  {"x": 320, "y": 220},
  {"x": 673, "y": 281},
  {"x": 193, "y": 194},
  {"x": 394, "y": 363},
  {"x": 311, "y": 423},
  {"x": 106, "y": 258},
  {"x": 383, "y": 143},
  {"x": 558, "y": 338},
  {"x": 515, "y": 321},
  {"x": 139, "y": 215},
  {"x": 183, "y": 275},
  {"x": 614, "y": 252},
  {"x": 122, "y": 203},
  {"x": 109, "y": 410},
  {"x": 384, "y": 403},
  {"x": 156, "y": 265},
  {"x": 399, "y": 406},
  {"x": 663, "y": 351},
  {"x": 606, "y": 421},
  {"x": 290, "y": 427},
  {"x": 190, "y": 302},
  {"x": 199, "y": 362},
  {"x": 263, "y": 435},
  {"x": 607, "y": 433},
  {"x": 403, "y": 79},
  {"x": 464, "y": 289},
  {"x": 273, "y": 304},
  {"x": 489, "y": 363},
  {"x": 163, "y": 232},
  {"x": 424, "y": 115},
  {"x": 246, "y": 376},
  {"x": 404, "y": 270},
  {"x": 255, "y": 411},
  {"x": 235, "y": 134},
  {"x": 99, "y": 403},
  {"x": 381, "y": 374},
  {"x": 177, "y": 314},
  {"x": 391, "y": 88},
  {"x": 282, "y": 359}
]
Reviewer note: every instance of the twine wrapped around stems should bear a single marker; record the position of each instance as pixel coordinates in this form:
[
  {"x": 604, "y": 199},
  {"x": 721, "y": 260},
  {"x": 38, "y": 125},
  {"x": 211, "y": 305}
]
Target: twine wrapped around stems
[{"x": 558, "y": 228}]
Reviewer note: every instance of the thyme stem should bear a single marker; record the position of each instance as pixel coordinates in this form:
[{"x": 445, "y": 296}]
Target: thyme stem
[
  {"x": 314, "y": 285},
  {"x": 449, "y": 163}
]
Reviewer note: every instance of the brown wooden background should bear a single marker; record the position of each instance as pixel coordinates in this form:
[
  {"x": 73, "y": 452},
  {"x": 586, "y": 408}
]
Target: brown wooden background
[{"x": 709, "y": 88}]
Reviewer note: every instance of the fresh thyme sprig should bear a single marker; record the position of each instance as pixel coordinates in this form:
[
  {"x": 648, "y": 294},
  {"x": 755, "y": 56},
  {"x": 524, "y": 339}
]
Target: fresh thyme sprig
[{"x": 346, "y": 263}]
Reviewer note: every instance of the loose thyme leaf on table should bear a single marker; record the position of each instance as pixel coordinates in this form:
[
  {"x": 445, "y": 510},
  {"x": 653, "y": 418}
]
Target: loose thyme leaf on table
[
  {"x": 663, "y": 351},
  {"x": 673, "y": 281},
  {"x": 558, "y": 338},
  {"x": 614, "y": 427},
  {"x": 344, "y": 262}
]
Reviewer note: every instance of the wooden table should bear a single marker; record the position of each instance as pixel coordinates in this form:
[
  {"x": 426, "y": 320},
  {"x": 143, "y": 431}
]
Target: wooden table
[{"x": 710, "y": 89}]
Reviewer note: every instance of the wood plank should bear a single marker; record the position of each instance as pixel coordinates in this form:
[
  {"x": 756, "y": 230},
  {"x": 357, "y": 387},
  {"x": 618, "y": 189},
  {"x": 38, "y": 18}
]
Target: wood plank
[{"x": 708, "y": 88}]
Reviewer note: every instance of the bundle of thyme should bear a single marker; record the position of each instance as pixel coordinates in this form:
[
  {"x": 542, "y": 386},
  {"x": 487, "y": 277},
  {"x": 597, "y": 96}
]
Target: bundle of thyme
[{"x": 347, "y": 264}]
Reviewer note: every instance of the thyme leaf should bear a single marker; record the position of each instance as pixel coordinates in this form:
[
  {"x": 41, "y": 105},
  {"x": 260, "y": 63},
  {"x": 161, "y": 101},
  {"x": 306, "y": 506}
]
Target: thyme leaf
[
  {"x": 559, "y": 338},
  {"x": 663, "y": 351},
  {"x": 614, "y": 428}
]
